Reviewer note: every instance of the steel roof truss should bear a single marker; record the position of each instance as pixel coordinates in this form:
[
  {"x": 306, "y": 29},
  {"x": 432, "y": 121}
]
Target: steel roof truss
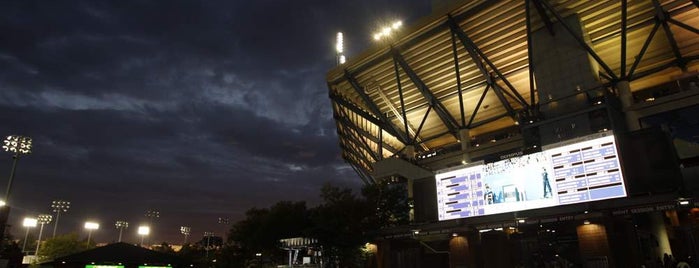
[
  {"x": 458, "y": 80},
  {"x": 442, "y": 112},
  {"x": 662, "y": 16},
  {"x": 375, "y": 109},
  {"x": 402, "y": 101},
  {"x": 359, "y": 137},
  {"x": 424, "y": 118},
  {"x": 347, "y": 123},
  {"x": 478, "y": 106},
  {"x": 643, "y": 50},
  {"x": 479, "y": 57}
]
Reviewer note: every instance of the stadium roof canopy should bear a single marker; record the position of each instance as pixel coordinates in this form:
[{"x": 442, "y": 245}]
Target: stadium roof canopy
[{"x": 468, "y": 68}]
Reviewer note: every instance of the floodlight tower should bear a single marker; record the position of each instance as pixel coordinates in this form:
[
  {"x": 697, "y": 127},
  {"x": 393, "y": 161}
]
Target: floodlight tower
[
  {"x": 121, "y": 225},
  {"x": 41, "y": 219},
  {"x": 58, "y": 206},
  {"x": 208, "y": 236},
  {"x": 90, "y": 226},
  {"x": 185, "y": 230},
  {"x": 27, "y": 223},
  {"x": 340, "y": 48},
  {"x": 152, "y": 214},
  {"x": 17, "y": 145},
  {"x": 143, "y": 231}
]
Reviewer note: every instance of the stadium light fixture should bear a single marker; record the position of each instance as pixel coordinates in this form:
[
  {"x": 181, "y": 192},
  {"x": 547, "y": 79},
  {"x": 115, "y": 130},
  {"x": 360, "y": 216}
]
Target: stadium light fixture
[
  {"x": 143, "y": 231},
  {"x": 121, "y": 225},
  {"x": 58, "y": 206},
  {"x": 186, "y": 231},
  {"x": 388, "y": 30},
  {"x": 90, "y": 226},
  {"x": 340, "y": 48}
]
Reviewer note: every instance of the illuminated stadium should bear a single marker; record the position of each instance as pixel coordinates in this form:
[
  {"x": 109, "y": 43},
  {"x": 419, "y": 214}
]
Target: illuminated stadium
[{"x": 531, "y": 132}]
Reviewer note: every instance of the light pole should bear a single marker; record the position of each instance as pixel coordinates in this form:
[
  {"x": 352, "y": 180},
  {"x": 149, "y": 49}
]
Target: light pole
[
  {"x": 208, "y": 236},
  {"x": 143, "y": 231},
  {"x": 42, "y": 219},
  {"x": 185, "y": 230},
  {"x": 152, "y": 215},
  {"x": 17, "y": 145},
  {"x": 90, "y": 226},
  {"x": 224, "y": 222},
  {"x": 27, "y": 223},
  {"x": 121, "y": 225},
  {"x": 58, "y": 206}
]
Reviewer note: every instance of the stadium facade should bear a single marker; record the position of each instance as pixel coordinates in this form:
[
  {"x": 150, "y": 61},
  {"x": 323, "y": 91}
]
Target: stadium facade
[{"x": 531, "y": 132}]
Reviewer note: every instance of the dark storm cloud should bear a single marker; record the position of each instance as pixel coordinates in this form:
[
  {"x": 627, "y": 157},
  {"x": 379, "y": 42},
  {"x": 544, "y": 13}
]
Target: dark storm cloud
[{"x": 195, "y": 108}]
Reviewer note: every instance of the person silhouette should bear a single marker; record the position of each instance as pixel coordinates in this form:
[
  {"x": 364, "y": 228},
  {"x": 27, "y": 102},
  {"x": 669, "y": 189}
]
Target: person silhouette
[
  {"x": 547, "y": 186},
  {"x": 489, "y": 196}
]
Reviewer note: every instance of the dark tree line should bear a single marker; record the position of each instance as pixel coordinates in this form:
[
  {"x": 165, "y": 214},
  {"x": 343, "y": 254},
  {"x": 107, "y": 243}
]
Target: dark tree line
[{"x": 343, "y": 223}]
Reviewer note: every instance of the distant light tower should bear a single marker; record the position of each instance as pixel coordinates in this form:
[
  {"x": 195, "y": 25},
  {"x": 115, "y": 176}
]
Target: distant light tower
[
  {"x": 42, "y": 219},
  {"x": 185, "y": 230},
  {"x": 27, "y": 223},
  {"x": 121, "y": 225},
  {"x": 340, "y": 48},
  {"x": 388, "y": 30},
  {"x": 152, "y": 215},
  {"x": 143, "y": 231},
  {"x": 17, "y": 145},
  {"x": 208, "y": 236},
  {"x": 58, "y": 206},
  {"x": 224, "y": 222},
  {"x": 90, "y": 226}
]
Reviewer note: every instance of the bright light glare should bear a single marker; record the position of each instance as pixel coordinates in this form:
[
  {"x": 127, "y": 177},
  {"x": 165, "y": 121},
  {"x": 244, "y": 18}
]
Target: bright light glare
[
  {"x": 29, "y": 222},
  {"x": 342, "y": 59},
  {"x": 397, "y": 24},
  {"x": 18, "y": 144},
  {"x": 2, "y": 203},
  {"x": 386, "y": 31},
  {"x": 143, "y": 230},
  {"x": 339, "y": 46},
  {"x": 92, "y": 225}
]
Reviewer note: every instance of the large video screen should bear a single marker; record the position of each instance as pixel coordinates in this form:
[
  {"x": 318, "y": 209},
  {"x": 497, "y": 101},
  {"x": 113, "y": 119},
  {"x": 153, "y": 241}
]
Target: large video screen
[{"x": 584, "y": 170}]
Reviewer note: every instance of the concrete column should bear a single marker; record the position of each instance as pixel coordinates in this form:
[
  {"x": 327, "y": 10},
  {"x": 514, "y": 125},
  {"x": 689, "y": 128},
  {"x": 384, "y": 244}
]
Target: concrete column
[
  {"x": 594, "y": 245},
  {"x": 659, "y": 231},
  {"x": 409, "y": 152},
  {"x": 411, "y": 198},
  {"x": 383, "y": 254},
  {"x": 465, "y": 138},
  {"x": 459, "y": 252},
  {"x": 495, "y": 250},
  {"x": 626, "y": 101}
]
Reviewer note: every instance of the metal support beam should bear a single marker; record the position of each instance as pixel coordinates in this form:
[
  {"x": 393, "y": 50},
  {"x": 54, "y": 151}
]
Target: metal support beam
[
  {"x": 402, "y": 137},
  {"x": 643, "y": 51},
  {"x": 544, "y": 17},
  {"x": 359, "y": 173},
  {"x": 498, "y": 92},
  {"x": 355, "y": 154},
  {"x": 685, "y": 26},
  {"x": 662, "y": 17},
  {"x": 580, "y": 41},
  {"x": 479, "y": 57},
  {"x": 624, "y": 10},
  {"x": 349, "y": 124},
  {"x": 422, "y": 123},
  {"x": 458, "y": 80},
  {"x": 402, "y": 101},
  {"x": 478, "y": 105},
  {"x": 360, "y": 138},
  {"x": 442, "y": 111},
  {"x": 355, "y": 109},
  {"x": 530, "y": 53}
]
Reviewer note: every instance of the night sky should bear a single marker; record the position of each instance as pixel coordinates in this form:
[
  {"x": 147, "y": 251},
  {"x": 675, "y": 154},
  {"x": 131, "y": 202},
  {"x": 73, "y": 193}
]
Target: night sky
[{"x": 197, "y": 109}]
